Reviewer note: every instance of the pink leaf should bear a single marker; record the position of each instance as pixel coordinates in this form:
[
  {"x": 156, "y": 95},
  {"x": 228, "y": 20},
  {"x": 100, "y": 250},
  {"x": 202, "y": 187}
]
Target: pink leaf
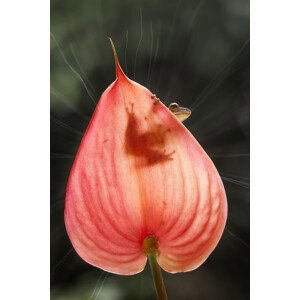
[{"x": 139, "y": 172}]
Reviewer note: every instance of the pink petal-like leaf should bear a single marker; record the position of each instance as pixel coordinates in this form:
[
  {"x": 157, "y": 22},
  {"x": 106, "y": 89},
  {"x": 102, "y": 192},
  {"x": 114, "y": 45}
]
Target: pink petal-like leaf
[{"x": 138, "y": 173}]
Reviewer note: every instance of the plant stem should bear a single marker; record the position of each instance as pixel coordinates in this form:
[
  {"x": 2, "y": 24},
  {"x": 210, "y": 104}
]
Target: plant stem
[{"x": 157, "y": 277}]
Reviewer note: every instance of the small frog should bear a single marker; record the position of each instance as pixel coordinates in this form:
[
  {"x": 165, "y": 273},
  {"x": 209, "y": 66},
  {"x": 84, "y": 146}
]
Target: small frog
[{"x": 181, "y": 113}]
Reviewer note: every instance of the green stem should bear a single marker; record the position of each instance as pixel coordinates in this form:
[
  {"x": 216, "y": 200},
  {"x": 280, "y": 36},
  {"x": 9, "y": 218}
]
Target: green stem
[{"x": 157, "y": 277}]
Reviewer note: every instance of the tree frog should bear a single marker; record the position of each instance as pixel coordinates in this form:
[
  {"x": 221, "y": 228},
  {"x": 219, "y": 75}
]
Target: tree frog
[{"x": 181, "y": 113}]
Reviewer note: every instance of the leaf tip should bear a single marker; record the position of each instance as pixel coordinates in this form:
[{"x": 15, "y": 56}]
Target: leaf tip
[{"x": 119, "y": 71}]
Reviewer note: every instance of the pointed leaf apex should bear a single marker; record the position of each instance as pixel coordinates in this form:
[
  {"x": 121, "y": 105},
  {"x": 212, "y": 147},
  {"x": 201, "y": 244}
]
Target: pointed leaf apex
[{"x": 119, "y": 71}]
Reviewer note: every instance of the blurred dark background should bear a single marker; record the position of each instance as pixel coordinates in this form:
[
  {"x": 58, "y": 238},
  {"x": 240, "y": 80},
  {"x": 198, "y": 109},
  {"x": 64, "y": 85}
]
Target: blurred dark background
[{"x": 192, "y": 52}]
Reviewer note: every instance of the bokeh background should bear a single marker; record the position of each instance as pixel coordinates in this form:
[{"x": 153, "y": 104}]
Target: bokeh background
[{"x": 192, "y": 52}]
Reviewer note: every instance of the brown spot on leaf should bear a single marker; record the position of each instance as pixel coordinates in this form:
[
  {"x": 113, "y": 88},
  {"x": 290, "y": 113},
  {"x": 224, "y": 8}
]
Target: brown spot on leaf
[{"x": 149, "y": 145}]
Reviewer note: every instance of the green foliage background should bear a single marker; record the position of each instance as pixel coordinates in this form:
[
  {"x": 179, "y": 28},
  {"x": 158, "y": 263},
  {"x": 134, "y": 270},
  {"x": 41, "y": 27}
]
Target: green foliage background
[{"x": 192, "y": 52}]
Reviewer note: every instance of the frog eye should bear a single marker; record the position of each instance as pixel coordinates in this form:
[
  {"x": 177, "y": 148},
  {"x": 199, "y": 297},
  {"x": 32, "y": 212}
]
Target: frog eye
[{"x": 173, "y": 106}]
